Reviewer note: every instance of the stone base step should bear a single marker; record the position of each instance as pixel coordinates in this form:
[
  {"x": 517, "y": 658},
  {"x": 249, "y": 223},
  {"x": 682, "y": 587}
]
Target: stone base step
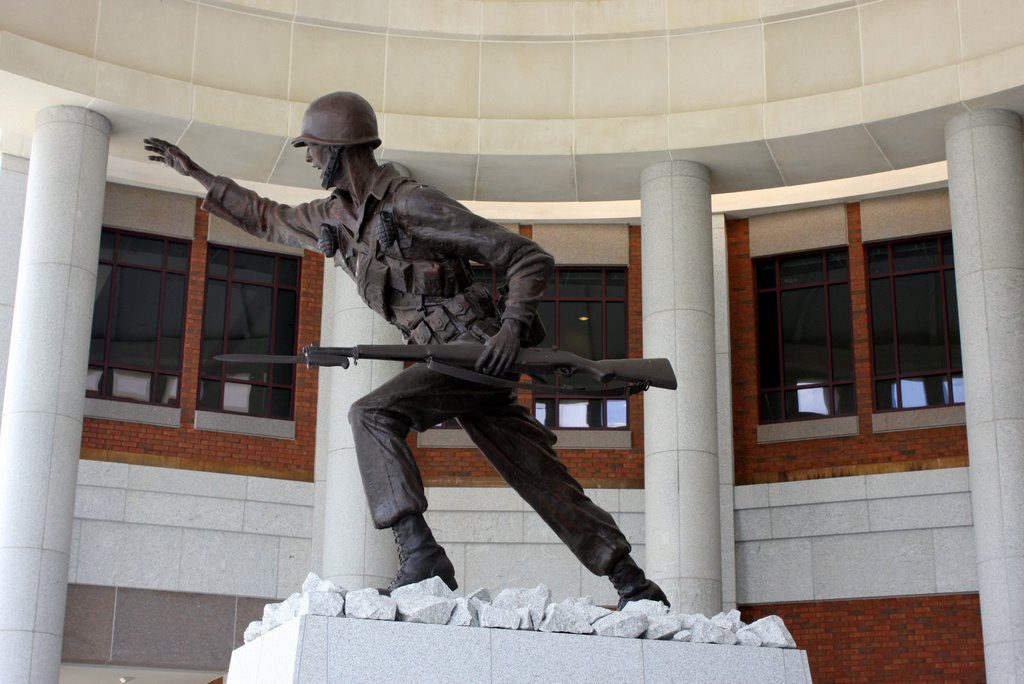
[{"x": 320, "y": 650}]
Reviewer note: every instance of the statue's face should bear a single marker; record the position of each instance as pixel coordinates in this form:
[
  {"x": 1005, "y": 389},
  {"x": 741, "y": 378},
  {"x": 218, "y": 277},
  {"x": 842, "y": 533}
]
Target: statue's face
[{"x": 316, "y": 155}]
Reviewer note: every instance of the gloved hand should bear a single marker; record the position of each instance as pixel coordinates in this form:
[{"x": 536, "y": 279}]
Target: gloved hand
[{"x": 328, "y": 242}]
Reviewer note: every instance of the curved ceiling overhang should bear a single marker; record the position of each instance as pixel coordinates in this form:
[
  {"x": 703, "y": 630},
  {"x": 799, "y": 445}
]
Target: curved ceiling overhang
[{"x": 528, "y": 100}]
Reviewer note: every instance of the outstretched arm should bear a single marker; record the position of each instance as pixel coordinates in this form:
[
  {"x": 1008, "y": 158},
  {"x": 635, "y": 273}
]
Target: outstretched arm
[{"x": 171, "y": 155}]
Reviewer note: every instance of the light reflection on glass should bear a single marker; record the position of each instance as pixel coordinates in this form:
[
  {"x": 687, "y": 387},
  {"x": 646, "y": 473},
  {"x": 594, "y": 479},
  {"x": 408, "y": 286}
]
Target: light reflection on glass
[{"x": 812, "y": 400}]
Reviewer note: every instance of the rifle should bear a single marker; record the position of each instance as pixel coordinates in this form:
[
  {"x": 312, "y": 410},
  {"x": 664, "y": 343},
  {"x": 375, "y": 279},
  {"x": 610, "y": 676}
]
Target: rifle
[{"x": 628, "y": 376}]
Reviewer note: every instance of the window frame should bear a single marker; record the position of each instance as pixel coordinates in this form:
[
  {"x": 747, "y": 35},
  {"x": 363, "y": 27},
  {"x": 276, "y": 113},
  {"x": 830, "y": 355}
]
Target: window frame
[
  {"x": 552, "y": 294},
  {"x": 778, "y": 288},
  {"x": 229, "y": 279},
  {"x": 891, "y": 274},
  {"x": 164, "y": 270}
]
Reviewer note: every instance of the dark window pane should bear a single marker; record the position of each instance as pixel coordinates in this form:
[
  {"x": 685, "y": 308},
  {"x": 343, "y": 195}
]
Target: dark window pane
[
  {"x": 141, "y": 251},
  {"x": 167, "y": 389},
  {"x": 100, "y": 312},
  {"x": 804, "y": 344},
  {"x": 249, "y": 311},
  {"x": 618, "y": 412},
  {"x": 881, "y": 327},
  {"x": 616, "y": 331},
  {"x": 771, "y": 406},
  {"x": 845, "y": 400},
  {"x": 136, "y": 312},
  {"x": 170, "y": 328},
  {"x": 615, "y": 284},
  {"x": 177, "y": 256},
  {"x": 765, "y": 274},
  {"x": 579, "y": 284},
  {"x": 546, "y": 311},
  {"x": 579, "y": 329},
  {"x": 213, "y": 326},
  {"x": 257, "y": 267},
  {"x": 281, "y": 403},
  {"x": 768, "y": 340},
  {"x": 209, "y": 394},
  {"x": 579, "y": 413},
  {"x": 953, "y": 321},
  {"x": 218, "y": 262},
  {"x": 284, "y": 325},
  {"x": 878, "y": 259},
  {"x": 920, "y": 323},
  {"x": 288, "y": 272},
  {"x": 910, "y": 256},
  {"x": 885, "y": 395},
  {"x": 841, "y": 329},
  {"x": 837, "y": 266},
  {"x": 544, "y": 411},
  {"x": 807, "y": 402},
  {"x": 800, "y": 270},
  {"x": 947, "y": 251},
  {"x": 107, "y": 240}
]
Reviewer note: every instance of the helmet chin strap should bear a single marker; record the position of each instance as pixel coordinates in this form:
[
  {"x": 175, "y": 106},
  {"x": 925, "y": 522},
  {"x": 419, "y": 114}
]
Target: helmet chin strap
[{"x": 331, "y": 167}]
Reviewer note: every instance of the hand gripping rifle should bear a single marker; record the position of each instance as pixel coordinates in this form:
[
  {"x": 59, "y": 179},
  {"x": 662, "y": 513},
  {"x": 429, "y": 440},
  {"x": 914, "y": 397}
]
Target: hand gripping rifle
[{"x": 623, "y": 376}]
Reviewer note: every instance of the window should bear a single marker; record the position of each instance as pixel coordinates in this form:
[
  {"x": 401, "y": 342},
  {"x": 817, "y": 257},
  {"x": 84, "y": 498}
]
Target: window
[
  {"x": 805, "y": 358},
  {"x": 251, "y": 308},
  {"x": 138, "y": 318},
  {"x": 584, "y": 312},
  {"x": 915, "y": 328}
]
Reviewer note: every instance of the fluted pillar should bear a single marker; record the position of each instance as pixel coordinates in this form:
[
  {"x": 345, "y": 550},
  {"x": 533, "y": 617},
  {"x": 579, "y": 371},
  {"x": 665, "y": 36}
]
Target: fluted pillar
[
  {"x": 683, "y": 542},
  {"x": 41, "y": 433},
  {"x": 986, "y": 197}
]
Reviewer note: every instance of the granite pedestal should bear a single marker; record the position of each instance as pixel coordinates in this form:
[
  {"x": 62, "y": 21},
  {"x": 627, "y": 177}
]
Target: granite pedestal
[{"x": 320, "y": 650}]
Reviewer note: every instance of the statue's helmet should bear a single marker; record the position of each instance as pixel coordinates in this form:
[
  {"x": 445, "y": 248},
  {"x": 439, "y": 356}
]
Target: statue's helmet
[{"x": 338, "y": 119}]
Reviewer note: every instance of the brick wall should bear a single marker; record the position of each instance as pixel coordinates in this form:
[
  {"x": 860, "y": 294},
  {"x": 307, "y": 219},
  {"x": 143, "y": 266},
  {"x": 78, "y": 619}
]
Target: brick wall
[
  {"x": 595, "y": 468},
  {"x": 192, "y": 449},
  {"x": 907, "y": 639},
  {"x": 864, "y": 453}
]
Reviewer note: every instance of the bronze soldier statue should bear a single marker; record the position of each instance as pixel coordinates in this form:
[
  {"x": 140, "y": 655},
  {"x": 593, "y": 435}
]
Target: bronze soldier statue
[{"x": 408, "y": 247}]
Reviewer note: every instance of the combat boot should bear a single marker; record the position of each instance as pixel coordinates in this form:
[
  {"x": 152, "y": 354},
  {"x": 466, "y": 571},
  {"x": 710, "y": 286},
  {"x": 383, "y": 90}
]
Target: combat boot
[
  {"x": 420, "y": 557},
  {"x": 631, "y": 583}
]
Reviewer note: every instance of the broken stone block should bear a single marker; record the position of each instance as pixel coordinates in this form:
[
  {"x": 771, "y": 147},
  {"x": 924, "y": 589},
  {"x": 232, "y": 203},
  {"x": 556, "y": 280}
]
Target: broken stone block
[
  {"x": 730, "y": 621},
  {"x": 773, "y": 632},
  {"x": 585, "y": 609},
  {"x": 690, "y": 619},
  {"x": 275, "y": 614},
  {"x": 683, "y": 635},
  {"x": 707, "y": 632},
  {"x": 423, "y": 608},
  {"x": 480, "y": 594},
  {"x": 465, "y": 614},
  {"x": 560, "y": 619},
  {"x": 368, "y": 604},
  {"x": 746, "y": 637},
  {"x": 663, "y": 626},
  {"x": 627, "y": 625},
  {"x": 647, "y": 607},
  {"x": 536, "y": 600},
  {"x": 432, "y": 586},
  {"x": 253, "y": 631},
  {"x": 315, "y": 602},
  {"x": 505, "y": 618}
]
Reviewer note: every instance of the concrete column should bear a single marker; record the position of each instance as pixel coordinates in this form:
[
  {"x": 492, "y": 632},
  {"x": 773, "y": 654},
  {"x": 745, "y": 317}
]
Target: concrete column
[
  {"x": 355, "y": 555},
  {"x": 13, "y": 184},
  {"x": 683, "y": 541},
  {"x": 41, "y": 433},
  {"x": 986, "y": 193}
]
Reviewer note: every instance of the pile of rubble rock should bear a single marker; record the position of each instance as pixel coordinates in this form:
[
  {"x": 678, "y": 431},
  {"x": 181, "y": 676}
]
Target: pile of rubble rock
[{"x": 432, "y": 602}]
